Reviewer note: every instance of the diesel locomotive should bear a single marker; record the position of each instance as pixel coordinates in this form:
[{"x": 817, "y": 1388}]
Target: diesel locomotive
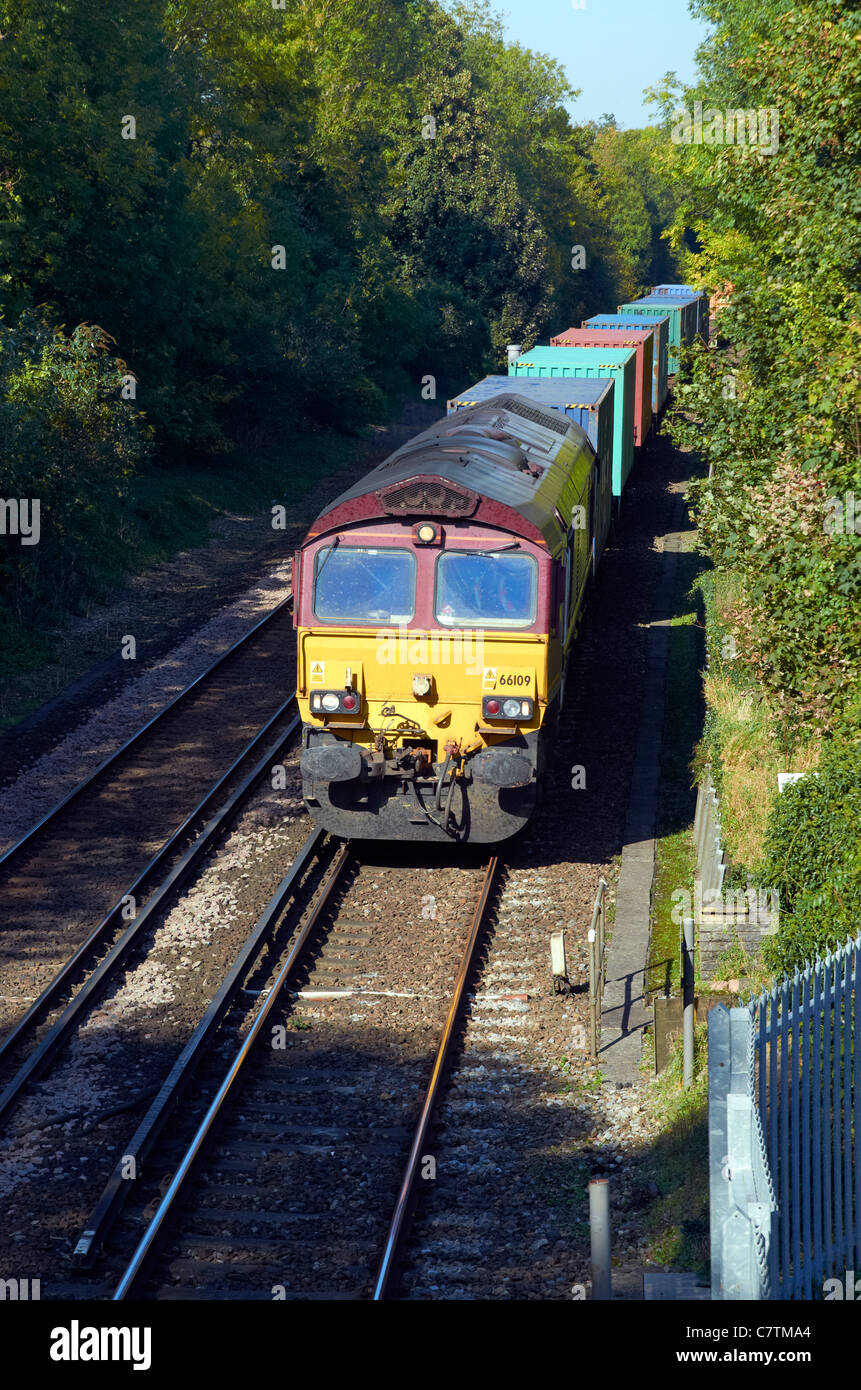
[{"x": 436, "y": 602}]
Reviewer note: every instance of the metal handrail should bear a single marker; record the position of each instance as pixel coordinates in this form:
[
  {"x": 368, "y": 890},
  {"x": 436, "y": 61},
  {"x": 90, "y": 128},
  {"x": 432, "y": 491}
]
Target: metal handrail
[{"x": 597, "y": 968}]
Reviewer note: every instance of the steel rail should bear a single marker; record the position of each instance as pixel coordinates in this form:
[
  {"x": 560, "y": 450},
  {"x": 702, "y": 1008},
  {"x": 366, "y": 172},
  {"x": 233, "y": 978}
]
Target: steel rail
[
  {"x": 204, "y": 1130},
  {"x": 396, "y": 1227},
  {"x": 107, "y": 1209},
  {"x": 54, "y": 1038},
  {"x": 14, "y": 850},
  {"x": 60, "y": 982}
]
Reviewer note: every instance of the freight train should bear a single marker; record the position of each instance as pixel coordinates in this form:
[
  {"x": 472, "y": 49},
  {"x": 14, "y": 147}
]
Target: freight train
[{"x": 437, "y": 600}]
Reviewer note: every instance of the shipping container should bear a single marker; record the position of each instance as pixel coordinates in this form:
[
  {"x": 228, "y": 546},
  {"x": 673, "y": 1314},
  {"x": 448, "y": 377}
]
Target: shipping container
[
  {"x": 661, "y": 328},
  {"x": 588, "y": 404},
  {"x": 642, "y": 341},
  {"x": 702, "y": 304},
  {"x": 620, "y": 364},
  {"x": 682, "y": 314}
]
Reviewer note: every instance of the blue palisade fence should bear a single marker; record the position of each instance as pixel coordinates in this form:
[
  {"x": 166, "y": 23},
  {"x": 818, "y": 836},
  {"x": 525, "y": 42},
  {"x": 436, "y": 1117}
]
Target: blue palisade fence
[{"x": 784, "y": 1132}]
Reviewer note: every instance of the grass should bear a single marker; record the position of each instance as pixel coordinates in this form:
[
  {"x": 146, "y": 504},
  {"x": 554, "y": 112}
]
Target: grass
[
  {"x": 720, "y": 720},
  {"x": 677, "y": 1219},
  {"x": 735, "y": 964},
  {"x": 674, "y": 869},
  {"x": 570, "y": 1087},
  {"x": 747, "y": 744}
]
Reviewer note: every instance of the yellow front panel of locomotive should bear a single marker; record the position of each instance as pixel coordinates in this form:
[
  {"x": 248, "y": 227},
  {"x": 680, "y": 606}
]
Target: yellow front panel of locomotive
[{"x": 463, "y": 666}]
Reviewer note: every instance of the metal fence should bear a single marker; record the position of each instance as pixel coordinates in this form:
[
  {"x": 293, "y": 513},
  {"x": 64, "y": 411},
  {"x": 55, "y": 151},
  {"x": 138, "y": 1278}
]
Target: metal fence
[
  {"x": 711, "y": 859},
  {"x": 785, "y": 1134}
]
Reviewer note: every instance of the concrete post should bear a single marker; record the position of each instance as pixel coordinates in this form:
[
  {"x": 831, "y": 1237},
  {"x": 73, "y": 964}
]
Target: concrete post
[{"x": 599, "y": 1231}]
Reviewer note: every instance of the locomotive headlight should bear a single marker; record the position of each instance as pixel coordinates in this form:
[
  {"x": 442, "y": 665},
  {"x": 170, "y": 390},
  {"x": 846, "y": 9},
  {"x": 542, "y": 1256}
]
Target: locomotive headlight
[
  {"x": 511, "y": 709},
  {"x": 329, "y": 701},
  {"x": 427, "y": 533}
]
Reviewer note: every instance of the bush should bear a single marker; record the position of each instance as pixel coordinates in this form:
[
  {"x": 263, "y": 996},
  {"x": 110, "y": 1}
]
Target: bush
[
  {"x": 813, "y": 857},
  {"x": 69, "y": 441}
]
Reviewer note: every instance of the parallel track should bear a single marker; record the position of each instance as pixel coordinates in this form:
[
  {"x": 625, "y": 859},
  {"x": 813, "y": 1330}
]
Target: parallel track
[
  {"x": 163, "y": 874},
  {"x": 51, "y": 819},
  {"x": 263, "y": 1094},
  {"x": 399, "y": 1222}
]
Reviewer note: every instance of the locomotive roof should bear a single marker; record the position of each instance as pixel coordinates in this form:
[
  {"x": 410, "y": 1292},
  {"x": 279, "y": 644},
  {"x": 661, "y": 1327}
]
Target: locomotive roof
[{"x": 508, "y": 449}]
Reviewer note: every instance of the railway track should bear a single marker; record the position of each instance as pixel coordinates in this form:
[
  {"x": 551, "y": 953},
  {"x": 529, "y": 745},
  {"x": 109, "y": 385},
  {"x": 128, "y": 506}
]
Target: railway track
[
  {"x": 305, "y": 1146},
  {"x": 158, "y": 723},
  {"x": 80, "y": 890}
]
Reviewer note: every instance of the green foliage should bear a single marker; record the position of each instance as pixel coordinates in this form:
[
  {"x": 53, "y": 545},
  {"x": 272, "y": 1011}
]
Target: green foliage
[
  {"x": 774, "y": 410},
  {"x": 641, "y": 202},
  {"x": 677, "y": 1224},
  {"x": 813, "y": 857},
  {"x": 777, "y": 418},
  {"x": 279, "y": 237},
  {"x": 69, "y": 442},
  {"x": 302, "y": 128}
]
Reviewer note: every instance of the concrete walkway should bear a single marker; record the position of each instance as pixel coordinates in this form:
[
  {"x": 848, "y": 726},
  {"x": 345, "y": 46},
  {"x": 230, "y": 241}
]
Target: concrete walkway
[{"x": 625, "y": 1013}]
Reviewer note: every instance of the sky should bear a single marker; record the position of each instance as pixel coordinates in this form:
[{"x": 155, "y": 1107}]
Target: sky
[{"x": 610, "y": 49}]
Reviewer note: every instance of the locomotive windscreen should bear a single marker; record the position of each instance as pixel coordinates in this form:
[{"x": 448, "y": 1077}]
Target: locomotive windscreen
[
  {"x": 355, "y": 584},
  {"x": 499, "y": 590}
]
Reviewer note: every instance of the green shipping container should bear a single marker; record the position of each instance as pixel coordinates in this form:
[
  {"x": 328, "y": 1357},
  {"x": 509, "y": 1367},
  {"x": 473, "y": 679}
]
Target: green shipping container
[
  {"x": 682, "y": 314},
  {"x": 619, "y": 365}
]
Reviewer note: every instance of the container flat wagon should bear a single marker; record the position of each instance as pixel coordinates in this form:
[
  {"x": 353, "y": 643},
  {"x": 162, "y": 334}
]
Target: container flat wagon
[
  {"x": 688, "y": 291},
  {"x": 682, "y": 314}
]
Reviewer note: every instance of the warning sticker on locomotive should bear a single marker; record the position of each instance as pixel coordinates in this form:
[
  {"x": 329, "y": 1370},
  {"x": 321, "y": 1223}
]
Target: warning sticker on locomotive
[
  {"x": 511, "y": 680},
  {"x": 318, "y": 672}
]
